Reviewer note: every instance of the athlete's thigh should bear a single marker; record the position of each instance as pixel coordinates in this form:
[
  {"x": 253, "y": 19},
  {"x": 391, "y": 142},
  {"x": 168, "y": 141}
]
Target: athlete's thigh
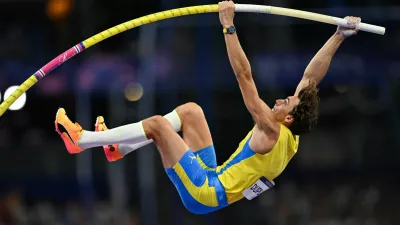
[
  {"x": 169, "y": 144},
  {"x": 195, "y": 130}
]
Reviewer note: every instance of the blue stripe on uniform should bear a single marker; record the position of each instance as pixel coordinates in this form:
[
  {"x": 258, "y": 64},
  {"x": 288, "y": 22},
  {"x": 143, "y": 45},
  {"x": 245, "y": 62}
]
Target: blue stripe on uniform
[
  {"x": 197, "y": 176},
  {"x": 191, "y": 166},
  {"x": 244, "y": 154},
  {"x": 219, "y": 188},
  {"x": 207, "y": 155},
  {"x": 190, "y": 203}
]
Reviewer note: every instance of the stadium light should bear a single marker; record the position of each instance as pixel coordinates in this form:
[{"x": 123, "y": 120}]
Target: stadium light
[{"x": 17, "y": 105}]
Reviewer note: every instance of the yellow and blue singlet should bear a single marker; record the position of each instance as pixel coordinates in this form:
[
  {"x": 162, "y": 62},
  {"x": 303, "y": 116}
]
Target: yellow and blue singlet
[{"x": 205, "y": 187}]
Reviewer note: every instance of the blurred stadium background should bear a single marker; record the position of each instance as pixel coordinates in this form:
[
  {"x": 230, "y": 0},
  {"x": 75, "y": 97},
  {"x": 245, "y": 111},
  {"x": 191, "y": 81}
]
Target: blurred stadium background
[{"x": 345, "y": 173}]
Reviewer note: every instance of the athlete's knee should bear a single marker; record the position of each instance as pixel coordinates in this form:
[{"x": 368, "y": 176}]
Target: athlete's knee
[
  {"x": 190, "y": 110},
  {"x": 155, "y": 126}
]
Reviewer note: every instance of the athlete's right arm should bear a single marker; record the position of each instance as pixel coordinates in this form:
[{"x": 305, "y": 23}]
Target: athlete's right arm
[
  {"x": 261, "y": 113},
  {"x": 319, "y": 65}
]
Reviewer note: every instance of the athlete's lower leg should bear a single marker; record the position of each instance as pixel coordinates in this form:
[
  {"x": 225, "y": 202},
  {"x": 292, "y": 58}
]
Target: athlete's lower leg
[
  {"x": 132, "y": 134},
  {"x": 115, "y": 152},
  {"x": 193, "y": 124},
  {"x": 188, "y": 117},
  {"x": 77, "y": 139}
]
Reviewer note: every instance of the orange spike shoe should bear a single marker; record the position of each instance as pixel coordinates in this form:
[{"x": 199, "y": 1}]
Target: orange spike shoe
[
  {"x": 111, "y": 151},
  {"x": 72, "y": 134}
]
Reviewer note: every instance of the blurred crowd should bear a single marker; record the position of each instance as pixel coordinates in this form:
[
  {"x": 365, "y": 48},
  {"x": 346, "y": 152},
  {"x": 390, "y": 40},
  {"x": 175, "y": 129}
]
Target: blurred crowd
[
  {"x": 14, "y": 210},
  {"x": 290, "y": 204},
  {"x": 345, "y": 173}
]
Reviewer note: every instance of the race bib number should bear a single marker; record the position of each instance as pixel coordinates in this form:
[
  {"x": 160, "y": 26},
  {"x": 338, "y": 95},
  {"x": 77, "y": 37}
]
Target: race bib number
[{"x": 263, "y": 184}]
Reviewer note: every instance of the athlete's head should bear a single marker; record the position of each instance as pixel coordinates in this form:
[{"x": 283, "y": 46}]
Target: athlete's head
[{"x": 299, "y": 113}]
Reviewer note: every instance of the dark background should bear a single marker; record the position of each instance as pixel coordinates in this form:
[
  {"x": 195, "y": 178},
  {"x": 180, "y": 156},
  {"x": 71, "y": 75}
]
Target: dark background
[{"x": 345, "y": 173}]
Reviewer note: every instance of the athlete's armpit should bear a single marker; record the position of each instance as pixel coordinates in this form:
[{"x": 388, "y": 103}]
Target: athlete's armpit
[{"x": 261, "y": 112}]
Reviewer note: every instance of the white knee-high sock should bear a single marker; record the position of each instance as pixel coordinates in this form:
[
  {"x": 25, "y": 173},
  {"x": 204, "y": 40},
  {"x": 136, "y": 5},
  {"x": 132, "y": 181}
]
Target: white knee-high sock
[
  {"x": 174, "y": 120},
  {"x": 172, "y": 117},
  {"x": 127, "y": 134},
  {"x": 131, "y": 135}
]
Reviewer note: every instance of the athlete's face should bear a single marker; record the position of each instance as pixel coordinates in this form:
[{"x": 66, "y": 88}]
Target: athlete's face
[{"x": 282, "y": 108}]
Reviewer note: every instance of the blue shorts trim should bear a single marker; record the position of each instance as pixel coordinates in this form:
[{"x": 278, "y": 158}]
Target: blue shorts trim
[
  {"x": 207, "y": 155},
  {"x": 207, "y": 187}
]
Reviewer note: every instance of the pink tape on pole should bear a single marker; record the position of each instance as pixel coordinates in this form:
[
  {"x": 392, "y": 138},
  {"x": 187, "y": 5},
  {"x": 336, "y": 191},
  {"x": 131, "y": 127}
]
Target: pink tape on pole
[{"x": 58, "y": 61}]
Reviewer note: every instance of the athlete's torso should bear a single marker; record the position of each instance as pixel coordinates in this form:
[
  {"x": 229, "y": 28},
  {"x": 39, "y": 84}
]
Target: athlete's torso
[{"x": 245, "y": 166}]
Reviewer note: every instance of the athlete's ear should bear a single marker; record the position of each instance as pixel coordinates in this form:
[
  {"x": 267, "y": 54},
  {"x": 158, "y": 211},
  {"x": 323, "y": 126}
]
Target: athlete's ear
[{"x": 289, "y": 119}]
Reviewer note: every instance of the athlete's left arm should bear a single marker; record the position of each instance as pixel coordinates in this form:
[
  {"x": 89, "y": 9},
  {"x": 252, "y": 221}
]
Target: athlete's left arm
[
  {"x": 319, "y": 65},
  {"x": 261, "y": 112}
]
